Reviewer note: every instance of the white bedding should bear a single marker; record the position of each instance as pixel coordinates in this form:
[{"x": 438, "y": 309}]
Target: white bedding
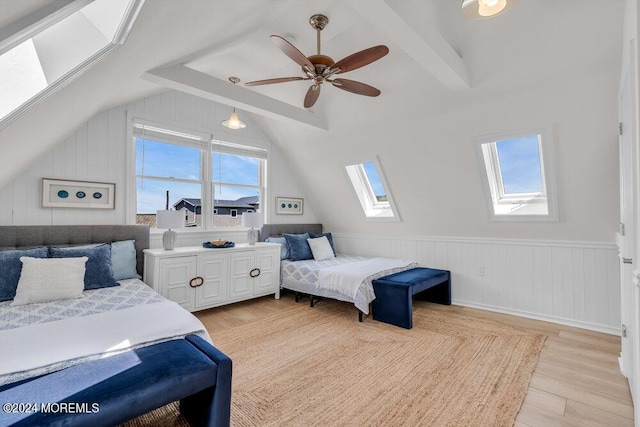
[
  {"x": 304, "y": 276},
  {"x": 346, "y": 278},
  {"x": 113, "y": 320}
]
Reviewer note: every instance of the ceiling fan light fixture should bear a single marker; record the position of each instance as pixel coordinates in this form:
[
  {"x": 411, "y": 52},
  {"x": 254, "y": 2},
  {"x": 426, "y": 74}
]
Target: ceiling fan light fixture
[
  {"x": 234, "y": 121},
  {"x": 482, "y": 9}
]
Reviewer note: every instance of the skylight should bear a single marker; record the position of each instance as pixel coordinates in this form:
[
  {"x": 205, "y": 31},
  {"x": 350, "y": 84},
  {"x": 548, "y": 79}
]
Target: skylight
[
  {"x": 43, "y": 56},
  {"x": 372, "y": 190},
  {"x": 519, "y": 173}
]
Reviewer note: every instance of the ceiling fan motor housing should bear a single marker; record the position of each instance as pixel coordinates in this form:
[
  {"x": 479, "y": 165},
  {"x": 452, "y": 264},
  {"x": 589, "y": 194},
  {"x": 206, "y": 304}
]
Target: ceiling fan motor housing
[{"x": 322, "y": 64}]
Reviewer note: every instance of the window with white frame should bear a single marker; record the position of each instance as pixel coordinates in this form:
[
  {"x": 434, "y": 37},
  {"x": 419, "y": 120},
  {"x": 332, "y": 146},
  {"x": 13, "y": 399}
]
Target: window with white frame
[
  {"x": 212, "y": 181},
  {"x": 372, "y": 191},
  {"x": 44, "y": 56},
  {"x": 519, "y": 174},
  {"x": 237, "y": 182}
]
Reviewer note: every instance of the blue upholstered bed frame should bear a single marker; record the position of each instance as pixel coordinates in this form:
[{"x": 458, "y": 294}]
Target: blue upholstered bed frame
[{"x": 131, "y": 383}]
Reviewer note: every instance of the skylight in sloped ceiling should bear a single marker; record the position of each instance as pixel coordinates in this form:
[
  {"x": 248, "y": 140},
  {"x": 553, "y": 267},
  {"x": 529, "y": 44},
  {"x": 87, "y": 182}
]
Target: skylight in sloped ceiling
[{"x": 40, "y": 62}]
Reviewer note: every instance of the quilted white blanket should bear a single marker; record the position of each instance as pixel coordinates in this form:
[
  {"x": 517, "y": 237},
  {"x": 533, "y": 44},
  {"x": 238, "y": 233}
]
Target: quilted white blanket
[
  {"x": 346, "y": 278},
  {"x": 43, "y": 347}
]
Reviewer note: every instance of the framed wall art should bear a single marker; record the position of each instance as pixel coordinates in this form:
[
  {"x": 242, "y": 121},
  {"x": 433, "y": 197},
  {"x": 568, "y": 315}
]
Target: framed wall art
[
  {"x": 289, "y": 206},
  {"x": 60, "y": 193}
]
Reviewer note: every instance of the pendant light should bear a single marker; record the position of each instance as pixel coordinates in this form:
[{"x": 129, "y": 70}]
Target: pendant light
[
  {"x": 482, "y": 9},
  {"x": 234, "y": 122}
]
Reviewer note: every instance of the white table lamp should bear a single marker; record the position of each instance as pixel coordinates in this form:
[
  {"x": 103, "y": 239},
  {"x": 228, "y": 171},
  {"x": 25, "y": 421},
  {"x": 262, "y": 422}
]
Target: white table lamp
[
  {"x": 169, "y": 220},
  {"x": 254, "y": 221}
]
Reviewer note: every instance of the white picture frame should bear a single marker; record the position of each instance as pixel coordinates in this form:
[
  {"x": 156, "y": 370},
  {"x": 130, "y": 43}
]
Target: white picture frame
[
  {"x": 62, "y": 193},
  {"x": 289, "y": 206}
]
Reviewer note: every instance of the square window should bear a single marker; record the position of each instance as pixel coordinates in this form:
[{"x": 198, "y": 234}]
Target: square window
[{"x": 519, "y": 174}]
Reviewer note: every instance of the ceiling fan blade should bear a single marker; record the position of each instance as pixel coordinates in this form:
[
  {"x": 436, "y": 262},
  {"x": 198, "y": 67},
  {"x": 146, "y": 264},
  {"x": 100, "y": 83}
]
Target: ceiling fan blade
[
  {"x": 292, "y": 52},
  {"x": 360, "y": 59},
  {"x": 355, "y": 87},
  {"x": 272, "y": 81},
  {"x": 312, "y": 96}
]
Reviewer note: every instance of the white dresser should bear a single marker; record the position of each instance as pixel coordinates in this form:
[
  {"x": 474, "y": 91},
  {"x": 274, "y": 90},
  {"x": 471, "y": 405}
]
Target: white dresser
[{"x": 199, "y": 278}]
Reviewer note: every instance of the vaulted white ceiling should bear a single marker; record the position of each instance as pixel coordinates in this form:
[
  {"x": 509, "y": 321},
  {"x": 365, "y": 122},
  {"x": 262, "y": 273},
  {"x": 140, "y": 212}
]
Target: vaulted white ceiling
[{"x": 439, "y": 60}]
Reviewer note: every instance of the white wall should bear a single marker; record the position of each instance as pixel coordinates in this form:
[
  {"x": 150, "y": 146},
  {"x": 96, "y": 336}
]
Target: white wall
[
  {"x": 430, "y": 164},
  {"x": 97, "y": 151},
  {"x": 573, "y": 283}
]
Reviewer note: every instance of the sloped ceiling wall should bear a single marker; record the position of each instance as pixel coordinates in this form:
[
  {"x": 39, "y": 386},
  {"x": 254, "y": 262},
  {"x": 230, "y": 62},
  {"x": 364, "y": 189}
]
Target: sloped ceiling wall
[
  {"x": 431, "y": 166},
  {"x": 544, "y": 62}
]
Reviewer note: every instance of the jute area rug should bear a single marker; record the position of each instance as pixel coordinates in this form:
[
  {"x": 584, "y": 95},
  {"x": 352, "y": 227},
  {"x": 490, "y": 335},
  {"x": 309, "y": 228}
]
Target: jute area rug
[{"x": 308, "y": 366}]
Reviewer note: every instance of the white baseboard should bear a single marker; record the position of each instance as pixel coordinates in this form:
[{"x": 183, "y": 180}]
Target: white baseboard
[
  {"x": 536, "y": 316},
  {"x": 621, "y": 364}
]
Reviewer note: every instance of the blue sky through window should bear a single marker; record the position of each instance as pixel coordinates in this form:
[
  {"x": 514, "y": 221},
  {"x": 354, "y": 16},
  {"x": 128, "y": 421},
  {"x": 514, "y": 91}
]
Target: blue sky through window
[
  {"x": 167, "y": 160},
  {"x": 235, "y": 169},
  {"x": 374, "y": 179},
  {"x": 520, "y": 165}
]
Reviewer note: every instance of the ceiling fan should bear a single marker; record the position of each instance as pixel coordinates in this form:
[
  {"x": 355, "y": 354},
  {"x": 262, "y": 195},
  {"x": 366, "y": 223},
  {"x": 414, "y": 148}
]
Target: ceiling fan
[{"x": 322, "y": 68}]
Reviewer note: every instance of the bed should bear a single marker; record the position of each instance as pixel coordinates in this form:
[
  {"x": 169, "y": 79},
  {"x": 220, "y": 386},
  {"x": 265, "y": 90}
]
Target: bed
[
  {"x": 71, "y": 340},
  {"x": 320, "y": 278}
]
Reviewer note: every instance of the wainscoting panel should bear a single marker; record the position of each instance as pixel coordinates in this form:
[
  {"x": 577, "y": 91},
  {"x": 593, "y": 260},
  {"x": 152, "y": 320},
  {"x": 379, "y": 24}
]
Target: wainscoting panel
[{"x": 573, "y": 283}]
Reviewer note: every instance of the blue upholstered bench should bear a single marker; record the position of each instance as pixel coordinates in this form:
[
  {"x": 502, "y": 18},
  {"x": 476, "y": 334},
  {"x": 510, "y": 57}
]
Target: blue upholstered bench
[
  {"x": 130, "y": 384},
  {"x": 394, "y": 293}
]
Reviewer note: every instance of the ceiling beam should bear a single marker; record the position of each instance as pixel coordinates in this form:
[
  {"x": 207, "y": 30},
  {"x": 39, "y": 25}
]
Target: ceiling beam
[
  {"x": 188, "y": 80},
  {"x": 400, "y": 23}
]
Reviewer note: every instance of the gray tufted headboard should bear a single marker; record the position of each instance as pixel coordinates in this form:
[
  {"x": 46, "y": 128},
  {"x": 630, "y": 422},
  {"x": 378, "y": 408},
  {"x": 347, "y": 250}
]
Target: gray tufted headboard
[
  {"x": 29, "y": 236},
  {"x": 273, "y": 230}
]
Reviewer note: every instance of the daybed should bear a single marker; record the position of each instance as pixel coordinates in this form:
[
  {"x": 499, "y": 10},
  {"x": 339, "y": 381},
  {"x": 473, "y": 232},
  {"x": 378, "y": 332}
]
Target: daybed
[
  {"x": 113, "y": 354},
  {"x": 322, "y": 278}
]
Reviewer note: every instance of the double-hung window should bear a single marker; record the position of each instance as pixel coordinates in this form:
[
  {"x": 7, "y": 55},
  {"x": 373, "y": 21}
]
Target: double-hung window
[
  {"x": 213, "y": 182},
  {"x": 519, "y": 175}
]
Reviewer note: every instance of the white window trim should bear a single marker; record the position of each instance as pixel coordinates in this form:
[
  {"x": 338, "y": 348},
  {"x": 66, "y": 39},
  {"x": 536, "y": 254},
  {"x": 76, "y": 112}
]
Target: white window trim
[
  {"x": 371, "y": 207},
  {"x": 30, "y": 29},
  {"x": 489, "y": 169},
  {"x": 205, "y": 140}
]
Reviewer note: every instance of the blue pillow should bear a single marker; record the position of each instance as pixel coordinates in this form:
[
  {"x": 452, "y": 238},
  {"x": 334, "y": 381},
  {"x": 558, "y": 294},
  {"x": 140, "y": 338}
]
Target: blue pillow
[
  {"x": 98, "y": 273},
  {"x": 328, "y": 236},
  {"x": 123, "y": 260},
  {"x": 299, "y": 248},
  {"x": 284, "y": 249},
  {"x": 11, "y": 267}
]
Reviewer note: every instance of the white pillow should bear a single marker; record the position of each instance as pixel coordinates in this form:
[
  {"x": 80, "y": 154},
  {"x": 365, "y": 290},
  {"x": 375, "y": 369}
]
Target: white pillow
[
  {"x": 321, "y": 248},
  {"x": 50, "y": 279}
]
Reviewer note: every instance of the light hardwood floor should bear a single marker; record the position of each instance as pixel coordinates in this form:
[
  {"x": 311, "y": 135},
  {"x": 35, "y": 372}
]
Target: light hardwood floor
[{"x": 577, "y": 381}]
